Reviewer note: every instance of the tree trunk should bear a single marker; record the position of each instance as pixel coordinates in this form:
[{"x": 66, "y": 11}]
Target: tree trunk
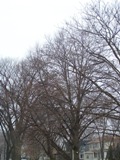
[
  {"x": 75, "y": 148},
  {"x": 16, "y": 152}
]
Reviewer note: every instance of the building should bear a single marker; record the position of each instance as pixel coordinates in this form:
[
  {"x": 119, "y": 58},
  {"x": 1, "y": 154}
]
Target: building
[{"x": 97, "y": 148}]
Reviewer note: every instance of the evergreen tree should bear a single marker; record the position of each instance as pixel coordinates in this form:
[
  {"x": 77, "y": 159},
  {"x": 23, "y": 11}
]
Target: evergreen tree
[
  {"x": 113, "y": 153},
  {"x": 117, "y": 152},
  {"x": 110, "y": 154}
]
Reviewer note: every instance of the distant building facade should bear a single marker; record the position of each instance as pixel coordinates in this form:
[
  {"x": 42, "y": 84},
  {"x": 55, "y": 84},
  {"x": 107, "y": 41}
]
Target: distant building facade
[{"x": 96, "y": 149}]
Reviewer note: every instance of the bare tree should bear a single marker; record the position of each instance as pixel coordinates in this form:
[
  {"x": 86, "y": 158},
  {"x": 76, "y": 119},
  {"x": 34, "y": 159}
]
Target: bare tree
[
  {"x": 43, "y": 123},
  {"x": 15, "y": 99},
  {"x": 103, "y": 28},
  {"x": 69, "y": 98}
]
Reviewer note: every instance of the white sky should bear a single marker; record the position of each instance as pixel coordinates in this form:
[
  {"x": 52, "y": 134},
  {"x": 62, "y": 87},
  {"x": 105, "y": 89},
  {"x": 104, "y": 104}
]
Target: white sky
[{"x": 23, "y": 23}]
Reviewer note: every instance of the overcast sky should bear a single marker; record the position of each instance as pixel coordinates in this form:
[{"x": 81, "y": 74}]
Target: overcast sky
[{"x": 23, "y": 23}]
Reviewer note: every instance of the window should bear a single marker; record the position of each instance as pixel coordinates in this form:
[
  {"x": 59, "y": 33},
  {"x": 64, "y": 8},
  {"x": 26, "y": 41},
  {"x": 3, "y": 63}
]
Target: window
[
  {"x": 87, "y": 156},
  {"x": 90, "y": 146},
  {"x": 95, "y": 145},
  {"x": 95, "y": 155},
  {"x": 81, "y": 156}
]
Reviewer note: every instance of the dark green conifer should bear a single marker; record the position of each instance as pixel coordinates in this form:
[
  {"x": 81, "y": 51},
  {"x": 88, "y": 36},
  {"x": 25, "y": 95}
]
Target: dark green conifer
[{"x": 110, "y": 153}]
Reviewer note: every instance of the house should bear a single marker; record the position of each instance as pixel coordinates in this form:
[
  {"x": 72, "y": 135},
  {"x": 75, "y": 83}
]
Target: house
[
  {"x": 83, "y": 148},
  {"x": 98, "y": 147}
]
